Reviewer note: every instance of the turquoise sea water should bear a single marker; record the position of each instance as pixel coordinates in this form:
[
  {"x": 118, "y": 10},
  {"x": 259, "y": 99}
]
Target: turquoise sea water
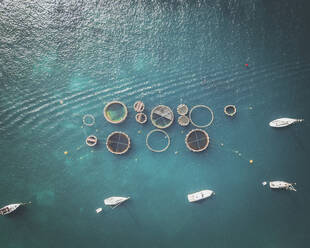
[{"x": 162, "y": 52}]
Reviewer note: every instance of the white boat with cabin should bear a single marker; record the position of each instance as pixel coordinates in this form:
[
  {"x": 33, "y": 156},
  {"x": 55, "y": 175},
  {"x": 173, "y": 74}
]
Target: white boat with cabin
[
  {"x": 11, "y": 208},
  {"x": 284, "y": 122},
  {"x": 115, "y": 201},
  {"x": 203, "y": 194},
  {"x": 281, "y": 185}
]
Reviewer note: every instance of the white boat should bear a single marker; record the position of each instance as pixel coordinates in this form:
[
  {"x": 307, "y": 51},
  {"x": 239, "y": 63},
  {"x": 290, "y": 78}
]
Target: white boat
[
  {"x": 200, "y": 195},
  {"x": 11, "y": 208},
  {"x": 115, "y": 201},
  {"x": 281, "y": 185},
  {"x": 98, "y": 210},
  {"x": 284, "y": 122}
]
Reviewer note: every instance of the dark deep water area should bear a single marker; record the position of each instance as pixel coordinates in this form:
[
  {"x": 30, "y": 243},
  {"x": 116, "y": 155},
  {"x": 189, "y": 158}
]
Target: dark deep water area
[{"x": 61, "y": 60}]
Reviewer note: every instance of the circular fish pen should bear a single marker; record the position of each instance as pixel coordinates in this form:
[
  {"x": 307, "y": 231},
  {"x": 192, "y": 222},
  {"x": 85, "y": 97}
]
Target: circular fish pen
[
  {"x": 162, "y": 116},
  {"x": 230, "y": 110},
  {"x": 91, "y": 140},
  {"x": 202, "y": 107},
  {"x": 88, "y": 120},
  {"x": 182, "y": 109},
  {"x": 153, "y": 149},
  {"x": 141, "y": 118},
  {"x": 183, "y": 120},
  {"x": 197, "y": 140},
  {"x": 115, "y": 112},
  {"x": 138, "y": 106},
  {"x": 118, "y": 142}
]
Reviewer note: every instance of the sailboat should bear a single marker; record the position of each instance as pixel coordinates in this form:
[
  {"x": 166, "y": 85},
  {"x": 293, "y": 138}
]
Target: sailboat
[
  {"x": 281, "y": 185},
  {"x": 200, "y": 195},
  {"x": 11, "y": 208},
  {"x": 115, "y": 201},
  {"x": 284, "y": 122}
]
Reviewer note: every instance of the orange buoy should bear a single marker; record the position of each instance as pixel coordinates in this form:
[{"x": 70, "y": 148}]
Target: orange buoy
[
  {"x": 65, "y": 152},
  {"x": 251, "y": 161}
]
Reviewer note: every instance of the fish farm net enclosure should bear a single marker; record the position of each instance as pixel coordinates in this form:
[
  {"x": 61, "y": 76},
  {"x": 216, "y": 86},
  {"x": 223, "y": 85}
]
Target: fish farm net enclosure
[
  {"x": 197, "y": 140},
  {"x": 162, "y": 116},
  {"x": 230, "y": 110},
  {"x": 118, "y": 142},
  {"x": 159, "y": 142},
  {"x": 201, "y": 116},
  {"x": 115, "y": 112},
  {"x": 183, "y": 120},
  {"x": 141, "y": 118}
]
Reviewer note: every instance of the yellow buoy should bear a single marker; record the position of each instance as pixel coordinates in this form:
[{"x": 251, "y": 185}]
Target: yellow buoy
[
  {"x": 251, "y": 161},
  {"x": 65, "y": 152}
]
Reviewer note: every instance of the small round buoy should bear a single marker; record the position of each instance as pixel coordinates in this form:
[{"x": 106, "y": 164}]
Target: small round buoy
[
  {"x": 61, "y": 101},
  {"x": 246, "y": 65},
  {"x": 251, "y": 161},
  {"x": 65, "y": 152}
]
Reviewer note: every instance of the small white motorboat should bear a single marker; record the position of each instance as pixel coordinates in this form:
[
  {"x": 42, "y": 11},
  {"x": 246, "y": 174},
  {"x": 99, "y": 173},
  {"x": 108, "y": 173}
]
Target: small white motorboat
[
  {"x": 11, "y": 208},
  {"x": 200, "y": 195},
  {"x": 115, "y": 201},
  {"x": 284, "y": 122},
  {"x": 281, "y": 185},
  {"x": 98, "y": 210}
]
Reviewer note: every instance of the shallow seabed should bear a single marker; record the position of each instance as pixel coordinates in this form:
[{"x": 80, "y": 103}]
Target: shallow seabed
[{"x": 60, "y": 60}]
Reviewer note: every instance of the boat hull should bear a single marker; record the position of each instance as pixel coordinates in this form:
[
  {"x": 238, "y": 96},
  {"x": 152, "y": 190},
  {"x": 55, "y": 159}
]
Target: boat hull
[
  {"x": 283, "y": 122},
  {"x": 9, "y": 209},
  {"x": 115, "y": 200},
  {"x": 198, "y": 196},
  {"x": 281, "y": 185}
]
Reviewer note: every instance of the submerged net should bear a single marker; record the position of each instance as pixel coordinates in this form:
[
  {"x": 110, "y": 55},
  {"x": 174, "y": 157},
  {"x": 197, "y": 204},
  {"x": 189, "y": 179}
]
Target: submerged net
[
  {"x": 197, "y": 140},
  {"x": 115, "y": 112},
  {"x": 162, "y": 116},
  {"x": 118, "y": 142}
]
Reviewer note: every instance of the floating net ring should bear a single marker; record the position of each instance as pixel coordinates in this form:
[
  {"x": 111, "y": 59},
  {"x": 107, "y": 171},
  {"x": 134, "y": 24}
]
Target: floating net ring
[
  {"x": 141, "y": 118},
  {"x": 162, "y": 116},
  {"x": 197, "y": 140},
  {"x": 183, "y": 120},
  {"x": 182, "y": 109},
  {"x": 160, "y": 131},
  {"x": 91, "y": 140},
  {"x": 88, "y": 120},
  {"x": 230, "y": 110},
  {"x": 138, "y": 106},
  {"x": 115, "y": 112},
  {"x": 118, "y": 143},
  {"x": 205, "y": 107}
]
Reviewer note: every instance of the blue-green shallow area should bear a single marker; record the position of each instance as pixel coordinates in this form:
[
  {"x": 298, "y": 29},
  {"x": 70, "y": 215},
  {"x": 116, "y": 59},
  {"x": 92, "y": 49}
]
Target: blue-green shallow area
[{"x": 87, "y": 53}]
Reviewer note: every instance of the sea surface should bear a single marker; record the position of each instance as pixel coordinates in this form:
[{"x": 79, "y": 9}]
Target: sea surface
[{"x": 61, "y": 60}]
